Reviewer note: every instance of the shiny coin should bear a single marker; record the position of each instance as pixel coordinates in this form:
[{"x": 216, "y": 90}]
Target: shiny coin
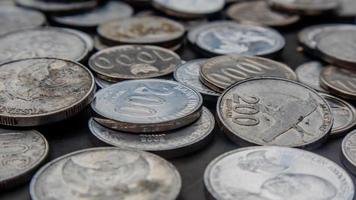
[
  {"x": 344, "y": 115},
  {"x": 258, "y": 12},
  {"x": 347, "y": 8},
  {"x": 21, "y": 153},
  {"x": 43, "y": 42},
  {"x": 146, "y": 106},
  {"x": 42, "y": 90},
  {"x": 220, "y": 72},
  {"x": 133, "y": 62},
  {"x": 175, "y": 143},
  {"x": 266, "y": 173},
  {"x": 239, "y": 39},
  {"x": 57, "y": 6},
  {"x": 14, "y": 19},
  {"x": 305, "y": 7},
  {"x": 106, "y": 173},
  {"x": 309, "y": 74},
  {"x": 348, "y": 151},
  {"x": 274, "y": 111},
  {"x": 91, "y": 19}
]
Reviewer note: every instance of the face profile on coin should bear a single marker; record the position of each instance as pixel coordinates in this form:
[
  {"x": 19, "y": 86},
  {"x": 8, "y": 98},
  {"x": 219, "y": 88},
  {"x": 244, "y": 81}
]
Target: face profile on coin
[
  {"x": 271, "y": 173},
  {"x": 309, "y": 74},
  {"x": 273, "y": 111},
  {"x": 57, "y": 6},
  {"x": 106, "y": 173},
  {"x": 305, "y": 7}
]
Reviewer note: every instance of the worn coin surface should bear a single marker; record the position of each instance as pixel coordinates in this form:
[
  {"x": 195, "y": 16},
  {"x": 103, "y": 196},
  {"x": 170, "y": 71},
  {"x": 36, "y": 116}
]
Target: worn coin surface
[
  {"x": 309, "y": 74},
  {"x": 21, "y": 153},
  {"x": 274, "y": 111},
  {"x": 146, "y": 106},
  {"x": 239, "y": 39},
  {"x": 258, "y": 12},
  {"x": 14, "y": 18},
  {"x": 57, "y": 6},
  {"x": 348, "y": 147},
  {"x": 305, "y": 7},
  {"x": 106, "y": 173},
  {"x": 218, "y": 73},
  {"x": 43, "y": 90},
  {"x": 168, "y": 144},
  {"x": 347, "y": 8},
  {"x": 271, "y": 173},
  {"x": 133, "y": 62}
]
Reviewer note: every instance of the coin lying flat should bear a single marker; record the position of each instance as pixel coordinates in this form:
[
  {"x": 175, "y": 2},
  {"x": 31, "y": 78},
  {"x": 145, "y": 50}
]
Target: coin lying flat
[
  {"x": 239, "y": 39},
  {"x": 309, "y": 74},
  {"x": 348, "y": 147},
  {"x": 21, "y": 153},
  {"x": 172, "y": 144},
  {"x": 102, "y": 83},
  {"x": 133, "y": 62},
  {"x": 258, "y": 12},
  {"x": 14, "y": 18},
  {"x": 106, "y": 173},
  {"x": 274, "y": 111},
  {"x": 57, "y": 6},
  {"x": 43, "y": 90},
  {"x": 218, "y": 73},
  {"x": 146, "y": 106},
  {"x": 347, "y": 8},
  {"x": 267, "y": 173},
  {"x": 7, "y": 2},
  {"x": 305, "y": 7}
]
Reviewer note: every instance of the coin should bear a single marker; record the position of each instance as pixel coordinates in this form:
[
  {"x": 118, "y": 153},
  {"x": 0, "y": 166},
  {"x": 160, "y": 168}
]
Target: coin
[
  {"x": 189, "y": 8},
  {"x": 106, "y": 173},
  {"x": 347, "y": 8},
  {"x": 7, "y": 2},
  {"x": 39, "y": 91},
  {"x": 57, "y": 6},
  {"x": 91, "y": 19},
  {"x": 305, "y": 7},
  {"x": 21, "y": 153},
  {"x": 348, "y": 147},
  {"x": 43, "y": 42},
  {"x": 102, "y": 83},
  {"x": 146, "y": 106},
  {"x": 218, "y": 73},
  {"x": 309, "y": 74},
  {"x": 239, "y": 39},
  {"x": 133, "y": 62},
  {"x": 171, "y": 144},
  {"x": 258, "y": 12},
  {"x": 14, "y": 18},
  {"x": 274, "y": 111},
  {"x": 267, "y": 173},
  {"x": 344, "y": 115}
]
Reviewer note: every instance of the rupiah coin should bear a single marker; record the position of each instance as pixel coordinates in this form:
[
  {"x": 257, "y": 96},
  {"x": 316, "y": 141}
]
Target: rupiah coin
[
  {"x": 348, "y": 148},
  {"x": 57, "y": 6},
  {"x": 309, "y": 74},
  {"x": 305, "y": 7}
]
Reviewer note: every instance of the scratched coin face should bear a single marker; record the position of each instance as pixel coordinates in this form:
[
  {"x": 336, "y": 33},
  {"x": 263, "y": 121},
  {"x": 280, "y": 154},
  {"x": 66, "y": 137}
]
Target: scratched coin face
[
  {"x": 20, "y": 154},
  {"x": 42, "y": 90},
  {"x": 106, "y": 173},
  {"x": 348, "y": 151},
  {"x": 220, "y": 72},
  {"x": 272, "y": 173},
  {"x": 150, "y": 105},
  {"x": 239, "y": 39},
  {"x": 309, "y": 74},
  {"x": 168, "y": 144},
  {"x": 57, "y": 6},
  {"x": 305, "y": 7},
  {"x": 133, "y": 62},
  {"x": 274, "y": 111}
]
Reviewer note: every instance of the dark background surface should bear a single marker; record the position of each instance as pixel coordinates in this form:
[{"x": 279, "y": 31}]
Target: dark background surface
[{"x": 73, "y": 134}]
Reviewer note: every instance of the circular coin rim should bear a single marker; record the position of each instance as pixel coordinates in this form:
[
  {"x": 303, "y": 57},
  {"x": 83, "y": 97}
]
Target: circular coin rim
[{"x": 61, "y": 6}]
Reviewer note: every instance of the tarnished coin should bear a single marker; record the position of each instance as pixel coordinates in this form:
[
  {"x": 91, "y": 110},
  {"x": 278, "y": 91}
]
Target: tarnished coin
[
  {"x": 271, "y": 173},
  {"x": 305, "y": 7},
  {"x": 91, "y": 19},
  {"x": 189, "y": 8},
  {"x": 43, "y": 90},
  {"x": 142, "y": 30},
  {"x": 348, "y": 147},
  {"x": 239, "y": 39},
  {"x": 57, "y": 6},
  {"x": 274, "y": 111},
  {"x": 21, "y": 153},
  {"x": 172, "y": 144},
  {"x": 106, "y": 173},
  {"x": 133, "y": 62},
  {"x": 347, "y": 8},
  {"x": 43, "y": 42},
  {"x": 258, "y": 12},
  {"x": 344, "y": 115},
  {"x": 218, "y": 73},
  {"x": 309, "y": 74},
  {"x": 14, "y": 18},
  {"x": 146, "y": 106}
]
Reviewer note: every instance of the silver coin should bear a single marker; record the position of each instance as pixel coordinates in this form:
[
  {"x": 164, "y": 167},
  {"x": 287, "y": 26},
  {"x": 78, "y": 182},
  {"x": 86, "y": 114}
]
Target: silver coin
[
  {"x": 271, "y": 173},
  {"x": 347, "y": 8},
  {"x": 274, "y": 111},
  {"x": 239, "y": 39},
  {"x": 43, "y": 90},
  {"x": 43, "y": 42},
  {"x": 102, "y": 83},
  {"x": 309, "y": 74},
  {"x": 57, "y": 6},
  {"x": 14, "y": 18},
  {"x": 348, "y": 147},
  {"x": 146, "y": 106},
  {"x": 305, "y": 7},
  {"x": 344, "y": 115},
  {"x": 21, "y": 153},
  {"x": 171, "y": 144},
  {"x": 7, "y": 2},
  {"x": 106, "y": 173}
]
